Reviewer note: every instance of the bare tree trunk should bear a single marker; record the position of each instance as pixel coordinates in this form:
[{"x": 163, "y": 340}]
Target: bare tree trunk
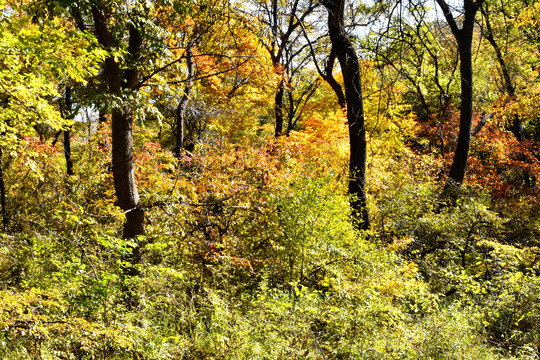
[{"x": 350, "y": 68}]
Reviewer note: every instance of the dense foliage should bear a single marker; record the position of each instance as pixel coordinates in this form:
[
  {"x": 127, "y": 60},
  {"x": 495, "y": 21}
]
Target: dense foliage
[{"x": 250, "y": 249}]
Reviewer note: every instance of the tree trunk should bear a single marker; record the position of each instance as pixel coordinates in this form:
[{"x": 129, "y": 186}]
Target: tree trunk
[
  {"x": 122, "y": 126},
  {"x": 290, "y": 114},
  {"x": 350, "y": 68},
  {"x": 461, "y": 154},
  {"x": 279, "y": 109},
  {"x": 123, "y": 173},
  {"x": 182, "y": 105},
  {"x": 67, "y": 151},
  {"x": 122, "y": 142},
  {"x": 463, "y": 38}
]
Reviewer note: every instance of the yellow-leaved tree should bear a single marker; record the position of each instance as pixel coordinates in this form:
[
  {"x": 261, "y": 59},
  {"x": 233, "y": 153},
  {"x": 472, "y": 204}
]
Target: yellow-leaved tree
[{"x": 39, "y": 56}]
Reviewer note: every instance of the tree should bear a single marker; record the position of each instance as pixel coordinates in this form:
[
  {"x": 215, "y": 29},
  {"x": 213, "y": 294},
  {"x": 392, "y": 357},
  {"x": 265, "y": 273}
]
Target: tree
[
  {"x": 464, "y": 37},
  {"x": 421, "y": 53},
  {"x": 66, "y": 110},
  {"x": 183, "y": 104},
  {"x": 326, "y": 71},
  {"x": 210, "y": 55},
  {"x": 39, "y": 54},
  {"x": 350, "y": 69},
  {"x": 280, "y": 30},
  {"x": 516, "y": 127},
  {"x": 120, "y": 81}
]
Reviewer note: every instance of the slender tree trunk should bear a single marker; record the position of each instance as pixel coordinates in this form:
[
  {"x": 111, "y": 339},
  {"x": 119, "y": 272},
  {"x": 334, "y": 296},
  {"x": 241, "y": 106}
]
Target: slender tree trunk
[
  {"x": 182, "y": 105},
  {"x": 291, "y": 113},
  {"x": 67, "y": 151},
  {"x": 122, "y": 143},
  {"x": 350, "y": 68}
]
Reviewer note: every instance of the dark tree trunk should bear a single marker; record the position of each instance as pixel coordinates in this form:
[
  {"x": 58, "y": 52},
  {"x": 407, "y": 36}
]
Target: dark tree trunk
[
  {"x": 67, "y": 151},
  {"x": 67, "y": 134},
  {"x": 276, "y": 58},
  {"x": 123, "y": 173},
  {"x": 122, "y": 142},
  {"x": 290, "y": 114},
  {"x": 102, "y": 116},
  {"x": 122, "y": 126},
  {"x": 463, "y": 38},
  {"x": 461, "y": 154},
  {"x": 278, "y": 104},
  {"x": 350, "y": 68},
  {"x": 517, "y": 128},
  {"x": 182, "y": 105}
]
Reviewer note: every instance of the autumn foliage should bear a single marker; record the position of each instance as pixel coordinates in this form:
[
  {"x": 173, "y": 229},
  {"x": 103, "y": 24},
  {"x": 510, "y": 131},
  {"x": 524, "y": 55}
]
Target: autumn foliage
[{"x": 250, "y": 248}]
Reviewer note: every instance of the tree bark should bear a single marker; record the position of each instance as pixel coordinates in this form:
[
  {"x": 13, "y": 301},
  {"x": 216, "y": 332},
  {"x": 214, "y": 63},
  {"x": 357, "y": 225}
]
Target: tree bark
[
  {"x": 350, "y": 68},
  {"x": 461, "y": 154}
]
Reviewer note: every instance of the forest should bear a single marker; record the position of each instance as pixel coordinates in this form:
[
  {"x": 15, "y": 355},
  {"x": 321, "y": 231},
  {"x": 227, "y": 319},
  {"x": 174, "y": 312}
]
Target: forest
[{"x": 269, "y": 179}]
